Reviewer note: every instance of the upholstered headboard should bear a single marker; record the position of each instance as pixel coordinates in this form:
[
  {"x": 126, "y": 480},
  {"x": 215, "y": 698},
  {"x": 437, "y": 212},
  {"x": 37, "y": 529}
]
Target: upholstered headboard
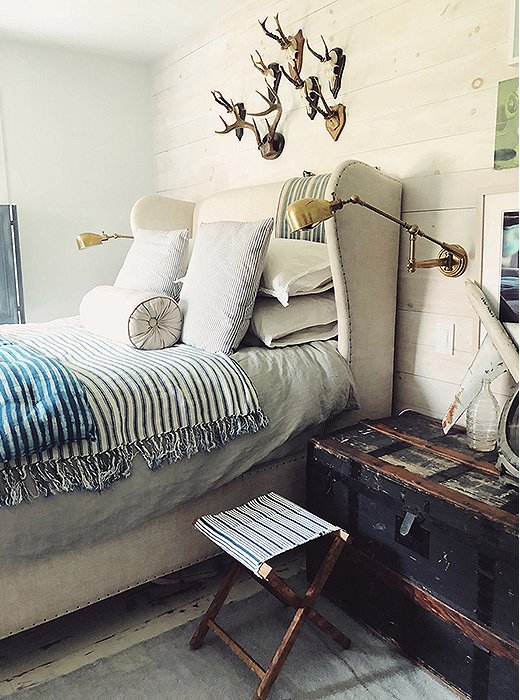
[{"x": 363, "y": 250}]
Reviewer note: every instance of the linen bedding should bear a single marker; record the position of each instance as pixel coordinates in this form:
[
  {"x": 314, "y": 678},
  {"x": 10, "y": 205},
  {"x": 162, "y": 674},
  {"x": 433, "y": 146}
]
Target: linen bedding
[{"x": 298, "y": 388}]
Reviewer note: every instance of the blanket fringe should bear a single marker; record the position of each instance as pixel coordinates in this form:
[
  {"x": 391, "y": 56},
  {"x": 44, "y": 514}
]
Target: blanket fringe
[{"x": 19, "y": 483}]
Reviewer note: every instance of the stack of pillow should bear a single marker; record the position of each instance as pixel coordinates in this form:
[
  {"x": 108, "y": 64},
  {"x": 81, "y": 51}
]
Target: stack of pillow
[
  {"x": 239, "y": 279},
  {"x": 295, "y": 303}
]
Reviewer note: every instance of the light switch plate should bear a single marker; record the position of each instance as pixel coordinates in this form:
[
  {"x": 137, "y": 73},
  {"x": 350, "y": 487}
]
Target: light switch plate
[{"x": 444, "y": 338}]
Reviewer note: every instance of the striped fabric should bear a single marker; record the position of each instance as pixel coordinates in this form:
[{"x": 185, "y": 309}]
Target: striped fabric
[
  {"x": 155, "y": 261},
  {"x": 262, "y": 528},
  {"x": 220, "y": 287},
  {"x": 163, "y": 404},
  {"x": 299, "y": 188},
  {"x": 42, "y": 404}
]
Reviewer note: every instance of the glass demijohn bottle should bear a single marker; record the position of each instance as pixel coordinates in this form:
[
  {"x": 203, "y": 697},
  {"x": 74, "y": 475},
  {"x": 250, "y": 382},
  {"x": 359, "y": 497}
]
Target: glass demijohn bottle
[{"x": 482, "y": 419}]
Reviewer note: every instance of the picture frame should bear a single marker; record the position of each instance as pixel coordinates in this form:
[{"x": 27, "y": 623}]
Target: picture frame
[
  {"x": 500, "y": 254},
  {"x": 512, "y": 49}
]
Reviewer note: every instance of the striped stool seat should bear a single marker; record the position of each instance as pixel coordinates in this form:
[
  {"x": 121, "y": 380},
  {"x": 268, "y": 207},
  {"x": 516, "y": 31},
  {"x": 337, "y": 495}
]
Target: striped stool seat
[
  {"x": 261, "y": 529},
  {"x": 252, "y": 534}
]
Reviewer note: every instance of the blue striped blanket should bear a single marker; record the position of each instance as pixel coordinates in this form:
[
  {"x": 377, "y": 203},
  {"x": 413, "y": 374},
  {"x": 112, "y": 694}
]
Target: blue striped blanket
[
  {"x": 162, "y": 404},
  {"x": 42, "y": 403}
]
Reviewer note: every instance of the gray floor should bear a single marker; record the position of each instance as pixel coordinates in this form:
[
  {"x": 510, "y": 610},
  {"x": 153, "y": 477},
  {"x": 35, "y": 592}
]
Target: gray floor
[{"x": 163, "y": 667}]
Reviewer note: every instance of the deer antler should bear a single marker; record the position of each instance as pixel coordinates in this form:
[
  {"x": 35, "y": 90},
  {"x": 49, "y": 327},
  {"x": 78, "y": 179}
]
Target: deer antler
[
  {"x": 283, "y": 40},
  {"x": 221, "y": 100},
  {"x": 259, "y": 64},
  {"x": 271, "y": 145},
  {"x": 321, "y": 58},
  {"x": 273, "y": 70},
  {"x": 286, "y": 40},
  {"x": 295, "y": 42},
  {"x": 239, "y": 112},
  {"x": 274, "y": 106},
  {"x": 240, "y": 123}
]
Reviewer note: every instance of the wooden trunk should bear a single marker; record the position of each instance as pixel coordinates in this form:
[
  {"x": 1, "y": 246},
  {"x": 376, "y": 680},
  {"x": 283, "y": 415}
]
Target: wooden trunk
[{"x": 434, "y": 558}]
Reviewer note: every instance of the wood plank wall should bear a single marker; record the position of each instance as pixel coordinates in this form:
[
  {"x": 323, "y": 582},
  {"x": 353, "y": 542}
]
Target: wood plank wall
[{"x": 420, "y": 88}]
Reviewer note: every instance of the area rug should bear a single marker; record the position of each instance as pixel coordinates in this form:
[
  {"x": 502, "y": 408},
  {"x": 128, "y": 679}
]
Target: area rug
[{"x": 165, "y": 668}]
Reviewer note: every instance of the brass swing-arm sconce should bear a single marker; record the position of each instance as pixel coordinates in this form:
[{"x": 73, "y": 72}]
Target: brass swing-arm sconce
[
  {"x": 306, "y": 213},
  {"x": 88, "y": 239}
]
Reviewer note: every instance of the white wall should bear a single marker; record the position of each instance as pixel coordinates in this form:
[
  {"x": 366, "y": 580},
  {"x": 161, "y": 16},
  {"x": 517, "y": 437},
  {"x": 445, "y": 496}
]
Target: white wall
[
  {"x": 420, "y": 88},
  {"x": 78, "y": 153}
]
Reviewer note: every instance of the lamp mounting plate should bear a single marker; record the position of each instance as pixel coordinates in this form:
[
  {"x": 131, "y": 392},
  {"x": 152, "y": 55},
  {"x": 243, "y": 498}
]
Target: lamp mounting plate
[{"x": 460, "y": 261}]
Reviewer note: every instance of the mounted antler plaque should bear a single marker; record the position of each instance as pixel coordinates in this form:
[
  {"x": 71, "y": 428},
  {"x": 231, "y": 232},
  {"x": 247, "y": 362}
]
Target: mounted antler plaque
[
  {"x": 336, "y": 60},
  {"x": 271, "y": 145}
]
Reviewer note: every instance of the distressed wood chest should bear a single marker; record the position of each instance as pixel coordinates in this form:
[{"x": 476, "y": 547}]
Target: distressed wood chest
[{"x": 433, "y": 563}]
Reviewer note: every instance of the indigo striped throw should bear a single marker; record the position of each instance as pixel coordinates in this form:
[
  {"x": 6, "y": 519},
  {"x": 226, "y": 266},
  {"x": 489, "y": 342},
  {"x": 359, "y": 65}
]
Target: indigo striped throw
[
  {"x": 162, "y": 404},
  {"x": 42, "y": 403},
  {"x": 299, "y": 188},
  {"x": 220, "y": 288},
  {"x": 262, "y": 528}
]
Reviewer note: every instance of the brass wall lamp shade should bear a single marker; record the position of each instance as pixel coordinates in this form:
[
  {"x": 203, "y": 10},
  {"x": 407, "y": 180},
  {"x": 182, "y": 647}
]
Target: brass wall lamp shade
[
  {"x": 88, "y": 239},
  {"x": 306, "y": 213}
]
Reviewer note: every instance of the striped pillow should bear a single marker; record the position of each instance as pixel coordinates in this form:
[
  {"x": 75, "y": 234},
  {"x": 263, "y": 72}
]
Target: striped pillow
[
  {"x": 220, "y": 287},
  {"x": 299, "y": 188},
  {"x": 155, "y": 262}
]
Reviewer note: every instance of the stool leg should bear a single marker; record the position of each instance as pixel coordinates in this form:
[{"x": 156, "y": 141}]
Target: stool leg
[
  {"x": 307, "y": 602},
  {"x": 216, "y": 604},
  {"x": 280, "y": 655},
  {"x": 279, "y": 588}
]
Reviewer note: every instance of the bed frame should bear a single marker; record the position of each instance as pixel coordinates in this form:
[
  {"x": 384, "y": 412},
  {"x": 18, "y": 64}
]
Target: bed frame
[{"x": 364, "y": 256}]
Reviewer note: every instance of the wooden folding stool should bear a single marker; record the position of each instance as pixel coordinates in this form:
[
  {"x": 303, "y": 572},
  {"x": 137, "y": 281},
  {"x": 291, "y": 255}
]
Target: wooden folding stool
[{"x": 252, "y": 534}]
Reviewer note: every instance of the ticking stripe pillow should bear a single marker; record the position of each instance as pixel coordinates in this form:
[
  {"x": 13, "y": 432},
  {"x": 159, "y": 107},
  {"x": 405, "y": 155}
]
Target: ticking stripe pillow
[
  {"x": 220, "y": 287},
  {"x": 155, "y": 262},
  {"x": 298, "y": 188}
]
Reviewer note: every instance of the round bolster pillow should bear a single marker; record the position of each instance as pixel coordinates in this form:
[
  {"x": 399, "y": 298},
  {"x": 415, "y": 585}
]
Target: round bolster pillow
[{"x": 146, "y": 320}]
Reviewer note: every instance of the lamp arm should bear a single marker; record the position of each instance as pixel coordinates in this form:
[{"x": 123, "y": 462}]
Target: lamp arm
[
  {"x": 445, "y": 262},
  {"x": 88, "y": 238},
  {"x": 411, "y": 228}
]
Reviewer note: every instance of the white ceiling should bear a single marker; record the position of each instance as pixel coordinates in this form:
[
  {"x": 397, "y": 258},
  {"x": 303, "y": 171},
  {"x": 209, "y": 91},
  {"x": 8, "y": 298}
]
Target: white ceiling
[{"x": 137, "y": 29}]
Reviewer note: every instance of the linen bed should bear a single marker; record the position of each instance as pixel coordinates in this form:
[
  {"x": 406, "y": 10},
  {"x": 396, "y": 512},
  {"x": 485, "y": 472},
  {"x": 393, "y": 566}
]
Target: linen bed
[
  {"x": 64, "y": 552},
  {"x": 315, "y": 382}
]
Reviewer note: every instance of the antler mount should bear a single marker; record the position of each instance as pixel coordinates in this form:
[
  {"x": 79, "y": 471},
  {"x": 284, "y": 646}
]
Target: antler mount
[{"x": 272, "y": 143}]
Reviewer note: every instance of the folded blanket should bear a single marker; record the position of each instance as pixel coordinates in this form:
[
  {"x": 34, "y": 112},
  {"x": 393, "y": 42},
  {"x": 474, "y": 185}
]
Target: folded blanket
[
  {"x": 42, "y": 404},
  {"x": 163, "y": 404}
]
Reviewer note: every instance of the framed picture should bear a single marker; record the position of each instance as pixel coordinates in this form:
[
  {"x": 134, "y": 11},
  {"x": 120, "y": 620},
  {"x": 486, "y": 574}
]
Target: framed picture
[
  {"x": 512, "y": 51},
  {"x": 500, "y": 254},
  {"x": 506, "y": 126}
]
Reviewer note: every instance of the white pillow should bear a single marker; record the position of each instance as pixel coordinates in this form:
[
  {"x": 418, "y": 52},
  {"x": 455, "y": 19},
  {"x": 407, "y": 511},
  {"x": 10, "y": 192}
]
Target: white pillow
[
  {"x": 295, "y": 267},
  {"x": 220, "y": 287},
  {"x": 306, "y": 318},
  {"x": 146, "y": 320},
  {"x": 156, "y": 261}
]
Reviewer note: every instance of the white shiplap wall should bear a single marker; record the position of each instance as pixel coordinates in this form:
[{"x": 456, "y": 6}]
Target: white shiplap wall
[{"x": 420, "y": 89}]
